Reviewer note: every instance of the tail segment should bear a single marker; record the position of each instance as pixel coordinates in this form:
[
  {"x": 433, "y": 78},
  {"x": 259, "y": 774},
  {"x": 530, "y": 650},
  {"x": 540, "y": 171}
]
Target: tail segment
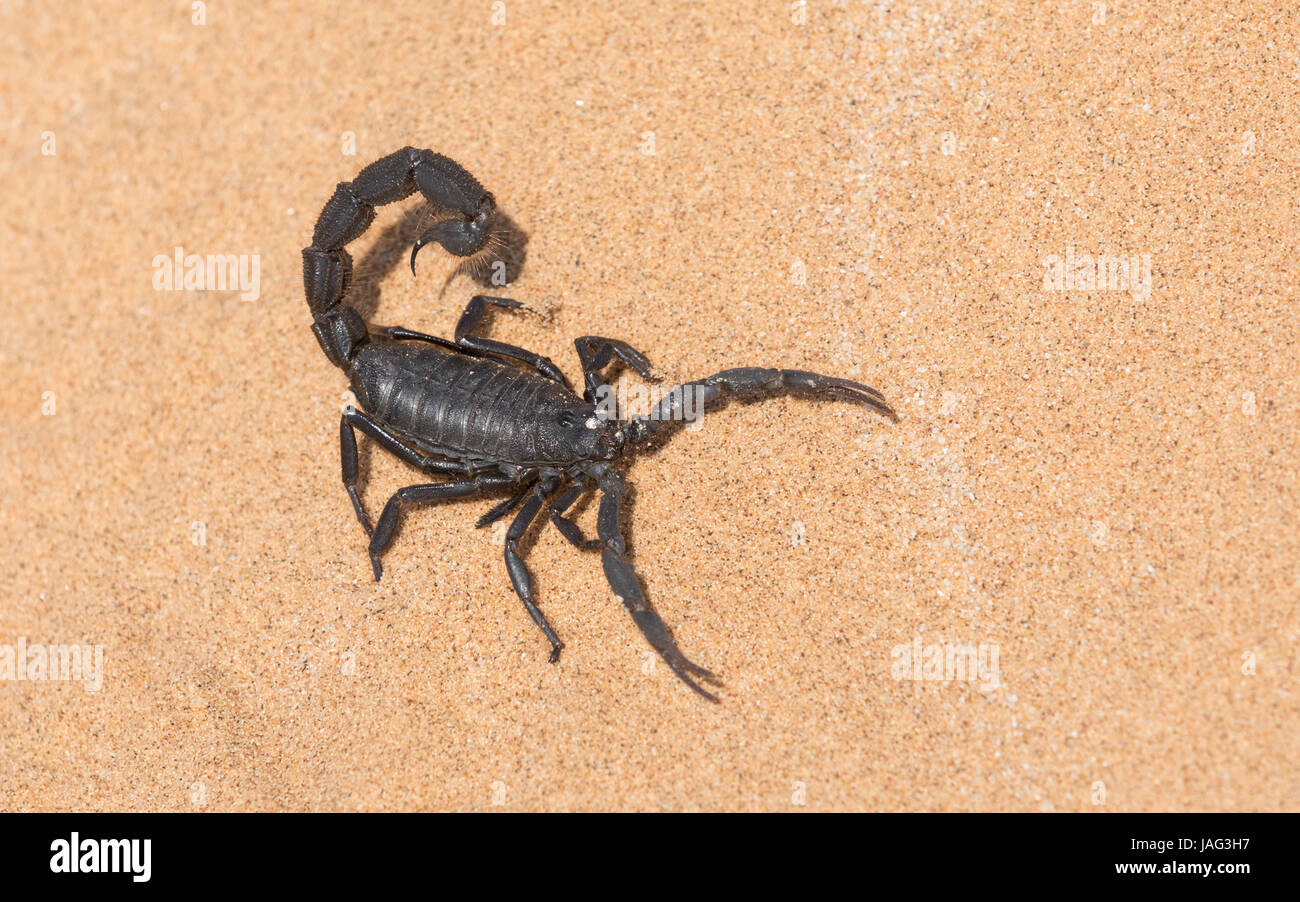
[{"x": 327, "y": 267}]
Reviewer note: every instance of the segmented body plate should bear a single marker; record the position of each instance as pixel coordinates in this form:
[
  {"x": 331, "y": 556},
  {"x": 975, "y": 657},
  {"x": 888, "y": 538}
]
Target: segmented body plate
[{"x": 476, "y": 409}]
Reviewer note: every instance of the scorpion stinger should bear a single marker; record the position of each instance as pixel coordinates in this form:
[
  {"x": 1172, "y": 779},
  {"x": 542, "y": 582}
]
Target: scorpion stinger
[{"x": 492, "y": 417}]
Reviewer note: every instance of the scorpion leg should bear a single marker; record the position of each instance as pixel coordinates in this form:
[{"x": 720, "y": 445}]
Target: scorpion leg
[
  {"x": 505, "y": 507},
  {"x": 623, "y": 580},
  {"x": 518, "y": 571},
  {"x": 569, "y": 529},
  {"x": 475, "y": 310},
  {"x": 348, "y": 451},
  {"x": 595, "y": 353},
  {"x": 394, "y": 445},
  {"x": 397, "y": 333},
  {"x": 414, "y": 494}
]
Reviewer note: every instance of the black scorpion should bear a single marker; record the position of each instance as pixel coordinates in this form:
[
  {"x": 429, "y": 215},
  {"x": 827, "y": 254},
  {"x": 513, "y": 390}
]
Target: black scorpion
[{"x": 467, "y": 410}]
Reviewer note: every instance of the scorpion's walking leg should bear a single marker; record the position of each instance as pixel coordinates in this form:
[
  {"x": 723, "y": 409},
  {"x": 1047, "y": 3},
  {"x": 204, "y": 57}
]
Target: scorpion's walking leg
[
  {"x": 518, "y": 571},
  {"x": 595, "y": 353},
  {"x": 623, "y": 580},
  {"x": 394, "y": 445},
  {"x": 473, "y": 316},
  {"x": 348, "y": 452},
  {"x": 399, "y": 333},
  {"x": 569, "y": 529},
  {"x": 500, "y": 510},
  {"x": 413, "y": 494},
  {"x": 673, "y": 409}
]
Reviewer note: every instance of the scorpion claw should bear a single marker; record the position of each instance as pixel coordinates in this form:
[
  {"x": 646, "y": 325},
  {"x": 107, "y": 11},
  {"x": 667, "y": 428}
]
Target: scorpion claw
[
  {"x": 687, "y": 664},
  {"x": 856, "y": 391},
  {"x": 694, "y": 685},
  {"x": 703, "y": 672},
  {"x": 656, "y": 632}
]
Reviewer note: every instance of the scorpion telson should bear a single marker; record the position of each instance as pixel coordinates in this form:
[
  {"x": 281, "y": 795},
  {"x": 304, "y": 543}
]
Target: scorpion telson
[{"x": 492, "y": 417}]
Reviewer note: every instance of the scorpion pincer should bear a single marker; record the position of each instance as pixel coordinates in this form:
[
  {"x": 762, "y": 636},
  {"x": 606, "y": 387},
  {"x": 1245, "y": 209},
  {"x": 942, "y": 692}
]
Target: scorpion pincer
[{"x": 489, "y": 417}]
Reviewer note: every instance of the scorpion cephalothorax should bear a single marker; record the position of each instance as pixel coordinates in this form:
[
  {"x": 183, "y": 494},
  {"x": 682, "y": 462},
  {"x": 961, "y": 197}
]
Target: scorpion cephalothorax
[{"x": 465, "y": 409}]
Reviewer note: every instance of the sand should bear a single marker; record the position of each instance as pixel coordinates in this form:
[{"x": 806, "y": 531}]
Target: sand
[{"x": 1094, "y": 486}]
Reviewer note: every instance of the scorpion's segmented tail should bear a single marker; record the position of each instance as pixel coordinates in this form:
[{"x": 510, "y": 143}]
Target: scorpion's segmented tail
[{"x": 327, "y": 267}]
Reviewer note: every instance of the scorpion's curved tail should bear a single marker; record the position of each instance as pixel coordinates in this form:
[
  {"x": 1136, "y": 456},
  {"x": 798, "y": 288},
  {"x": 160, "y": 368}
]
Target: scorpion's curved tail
[{"x": 326, "y": 266}]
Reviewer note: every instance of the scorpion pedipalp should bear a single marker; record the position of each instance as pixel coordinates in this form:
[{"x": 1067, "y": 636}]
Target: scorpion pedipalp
[{"x": 760, "y": 382}]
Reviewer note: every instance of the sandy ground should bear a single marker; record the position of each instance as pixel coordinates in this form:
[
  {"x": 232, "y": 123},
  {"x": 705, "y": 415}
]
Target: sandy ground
[{"x": 1096, "y": 485}]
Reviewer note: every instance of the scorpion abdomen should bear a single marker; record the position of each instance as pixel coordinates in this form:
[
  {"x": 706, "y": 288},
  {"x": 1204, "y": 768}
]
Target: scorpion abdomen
[{"x": 467, "y": 408}]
